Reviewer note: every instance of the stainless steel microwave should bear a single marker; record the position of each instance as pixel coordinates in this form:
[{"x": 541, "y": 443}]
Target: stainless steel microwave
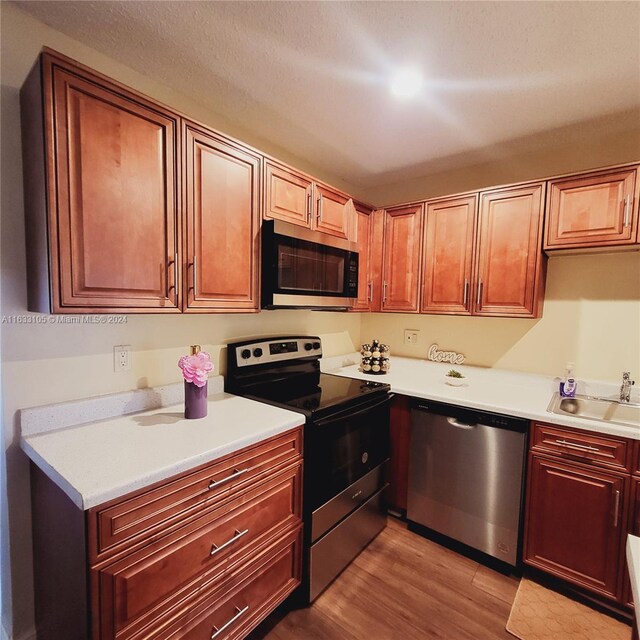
[{"x": 306, "y": 269}]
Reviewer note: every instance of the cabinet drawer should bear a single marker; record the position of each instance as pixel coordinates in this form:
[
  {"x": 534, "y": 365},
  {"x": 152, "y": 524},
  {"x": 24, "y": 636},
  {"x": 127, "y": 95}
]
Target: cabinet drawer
[
  {"x": 171, "y": 572},
  {"x": 243, "y": 601},
  {"x": 590, "y": 448},
  {"x": 171, "y": 503}
]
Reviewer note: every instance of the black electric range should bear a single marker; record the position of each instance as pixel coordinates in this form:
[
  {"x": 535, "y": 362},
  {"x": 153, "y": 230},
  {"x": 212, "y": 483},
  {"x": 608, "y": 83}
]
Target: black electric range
[{"x": 346, "y": 446}]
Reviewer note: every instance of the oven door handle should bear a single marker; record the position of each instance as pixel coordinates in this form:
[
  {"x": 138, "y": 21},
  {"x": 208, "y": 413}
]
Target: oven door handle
[{"x": 348, "y": 413}]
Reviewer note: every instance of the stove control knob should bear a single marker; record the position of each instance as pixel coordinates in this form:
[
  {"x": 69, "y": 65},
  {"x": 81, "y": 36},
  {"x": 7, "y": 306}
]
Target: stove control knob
[
  {"x": 246, "y": 353},
  {"x": 316, "y": 345},
  {"x": 257, "y": 352},
  {"x": 308, "y": 346}
]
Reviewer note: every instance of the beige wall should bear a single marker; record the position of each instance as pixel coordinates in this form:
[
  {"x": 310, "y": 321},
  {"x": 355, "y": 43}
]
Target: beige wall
[
  {"x": 52, "y": 363},
  {"x": 591, "y": 317},
  {"x": 608, "y": 140}
]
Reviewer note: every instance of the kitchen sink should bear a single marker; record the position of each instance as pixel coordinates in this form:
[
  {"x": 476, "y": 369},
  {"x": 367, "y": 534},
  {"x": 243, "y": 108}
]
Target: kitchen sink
[{"x": 593, "y": 408}]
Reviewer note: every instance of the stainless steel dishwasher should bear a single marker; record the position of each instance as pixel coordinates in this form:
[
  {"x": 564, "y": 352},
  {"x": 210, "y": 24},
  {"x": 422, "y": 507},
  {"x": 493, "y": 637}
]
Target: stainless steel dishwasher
[{"x": 466, "y": 476}]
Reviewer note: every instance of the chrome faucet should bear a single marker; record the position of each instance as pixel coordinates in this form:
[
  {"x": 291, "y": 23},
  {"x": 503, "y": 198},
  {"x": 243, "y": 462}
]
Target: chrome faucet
[{"x": 625, "y": 388}]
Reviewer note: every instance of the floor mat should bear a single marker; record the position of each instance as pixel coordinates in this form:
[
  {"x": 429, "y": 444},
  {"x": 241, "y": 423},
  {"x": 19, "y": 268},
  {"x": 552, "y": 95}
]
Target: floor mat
[{"x": 541, "y": 614}]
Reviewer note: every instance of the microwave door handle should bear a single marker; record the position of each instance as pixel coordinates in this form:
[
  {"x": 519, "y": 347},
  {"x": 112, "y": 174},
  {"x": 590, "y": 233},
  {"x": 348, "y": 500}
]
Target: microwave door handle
[{"x": 348, "y": 413}]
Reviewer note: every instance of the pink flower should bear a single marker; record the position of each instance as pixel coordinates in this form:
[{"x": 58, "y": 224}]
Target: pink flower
[{"x": 196, "y": 368}]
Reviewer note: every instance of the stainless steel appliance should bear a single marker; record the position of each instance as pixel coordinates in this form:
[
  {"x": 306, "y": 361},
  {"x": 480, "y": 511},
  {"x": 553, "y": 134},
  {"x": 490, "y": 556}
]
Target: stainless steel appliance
[
  {"x": 346, "y": 446},
  {"x": 303, "y": 268},
  {"x": 466, "y": 476}
]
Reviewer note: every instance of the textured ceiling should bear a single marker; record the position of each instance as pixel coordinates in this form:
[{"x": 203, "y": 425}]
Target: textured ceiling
[{"x": 312, "y": 77}]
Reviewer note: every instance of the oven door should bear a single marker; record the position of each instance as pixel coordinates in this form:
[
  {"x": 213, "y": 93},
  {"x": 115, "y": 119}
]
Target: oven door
[
  {"x": 343, "y": 447},
  {"x": 300, "y": 271}
]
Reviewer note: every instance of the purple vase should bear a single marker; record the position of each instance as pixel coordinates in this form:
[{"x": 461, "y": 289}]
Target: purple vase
[{"x": 195, "y": 401}]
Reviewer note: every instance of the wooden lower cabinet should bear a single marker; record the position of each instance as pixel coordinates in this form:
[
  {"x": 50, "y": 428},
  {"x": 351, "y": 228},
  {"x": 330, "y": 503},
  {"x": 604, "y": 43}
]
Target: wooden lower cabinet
[
  {"x": 583, "y": 498},
  {"x": 221, "y": 566},
  {"x": 242, "y": 601},
  {"x": 574, "y": 523},
  {"x": 400, "y": 439}
]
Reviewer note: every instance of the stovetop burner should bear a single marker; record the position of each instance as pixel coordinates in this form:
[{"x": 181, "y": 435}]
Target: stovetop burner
[
  {"x": 286, "y": 372},
  {"x": 328, "y": 394}
]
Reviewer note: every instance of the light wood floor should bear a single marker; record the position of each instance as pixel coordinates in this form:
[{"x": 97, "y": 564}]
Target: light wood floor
[{"x": 404, "y": 587}]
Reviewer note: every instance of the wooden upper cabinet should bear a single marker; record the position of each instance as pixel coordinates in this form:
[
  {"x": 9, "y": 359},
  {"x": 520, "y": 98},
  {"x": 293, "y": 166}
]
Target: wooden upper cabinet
[
  {"x": 401, "y": 266},
  {"x": 292, "y": 197},
  {"x": 332, "y": 211},
  {"x": 593, "y": 210},
  {"x": 376, "y": 258},
  {"x": 362, "y": 228},
  {"x": 222, "y": 196},
  {"x": 288, "y": 195},
  {"x": 449, "y": 229},
  {"x": 510, "y": 264},
  {"x": 574, "y": 524},
  {"x": 112, "y": 193}
]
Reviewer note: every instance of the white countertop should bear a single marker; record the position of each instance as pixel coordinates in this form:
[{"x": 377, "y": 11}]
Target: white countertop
[
  {"x": 99, "y": 461},
  {"x": 508, "y": 392},
  {"x": 633, "y": 562}
]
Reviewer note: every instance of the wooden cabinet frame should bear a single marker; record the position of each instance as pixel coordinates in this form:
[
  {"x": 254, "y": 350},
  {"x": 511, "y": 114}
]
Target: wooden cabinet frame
[
  {"x": 606, "y": 223},
  {"x": 610, "y": 462}
]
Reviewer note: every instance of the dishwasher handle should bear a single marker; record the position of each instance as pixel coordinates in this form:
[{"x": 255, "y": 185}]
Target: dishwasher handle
[{"x": 461, "y": 425}]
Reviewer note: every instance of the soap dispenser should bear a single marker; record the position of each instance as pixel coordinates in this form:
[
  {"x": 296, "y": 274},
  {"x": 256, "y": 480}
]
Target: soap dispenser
[{"x": 568, "y": 385}]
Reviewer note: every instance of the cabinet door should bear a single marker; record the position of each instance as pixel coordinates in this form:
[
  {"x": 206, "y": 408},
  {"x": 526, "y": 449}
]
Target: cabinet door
[
  {"x": 400, "y": 441},
  {"x": 510, "y": 267},
  {"x": 332, "y": 212},
  {"x": 115, "y": 227},
  {"x": 574, "y": 523},
  {"x": 592, "y": 210},
  {"x": 401, "y": 268},
  {"x": 634, "y": 529},
  {"x": 449, "y": 228},
  {"x": 376, "y": 258},
  {"x": 222, "y": 223},
  {"x": 362, "y": 238},
  {"x": 289, "y": 195}
]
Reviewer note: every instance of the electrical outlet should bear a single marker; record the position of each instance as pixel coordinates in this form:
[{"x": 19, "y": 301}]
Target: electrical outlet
[
  {"x": 122, "y": 358},
  {"x": 411, "y": 336}
]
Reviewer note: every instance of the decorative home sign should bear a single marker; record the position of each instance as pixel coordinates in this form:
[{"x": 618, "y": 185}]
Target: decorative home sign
[
  {"x": 375, "y": 358},
  {"x": 444, "y": 356}
]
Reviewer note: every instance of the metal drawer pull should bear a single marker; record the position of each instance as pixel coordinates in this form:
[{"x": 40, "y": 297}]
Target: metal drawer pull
[
  {"x": 236, "y": 536},
  {"x": 319, "y": 212},
  {"x": 355, "y": 495},
  {"x": 479, "y": 296},
  {"x": 370, "y": 285},
  {"x": 384, "y": 292},
  {"x": 466, "y": 293},
  {"x": 175, "y": 273},
  {"x": 617, "y": 509},
  {"x": 627, "y": 212},
  {"x": 217, "y": 631},
  {"x": 233, "y": 476},
  {"x": 195, "y": 275},
  {"x": 460, "y": 425},
  {"x": 579, "y": 447},
  {"x": 309, "y": 206}
]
